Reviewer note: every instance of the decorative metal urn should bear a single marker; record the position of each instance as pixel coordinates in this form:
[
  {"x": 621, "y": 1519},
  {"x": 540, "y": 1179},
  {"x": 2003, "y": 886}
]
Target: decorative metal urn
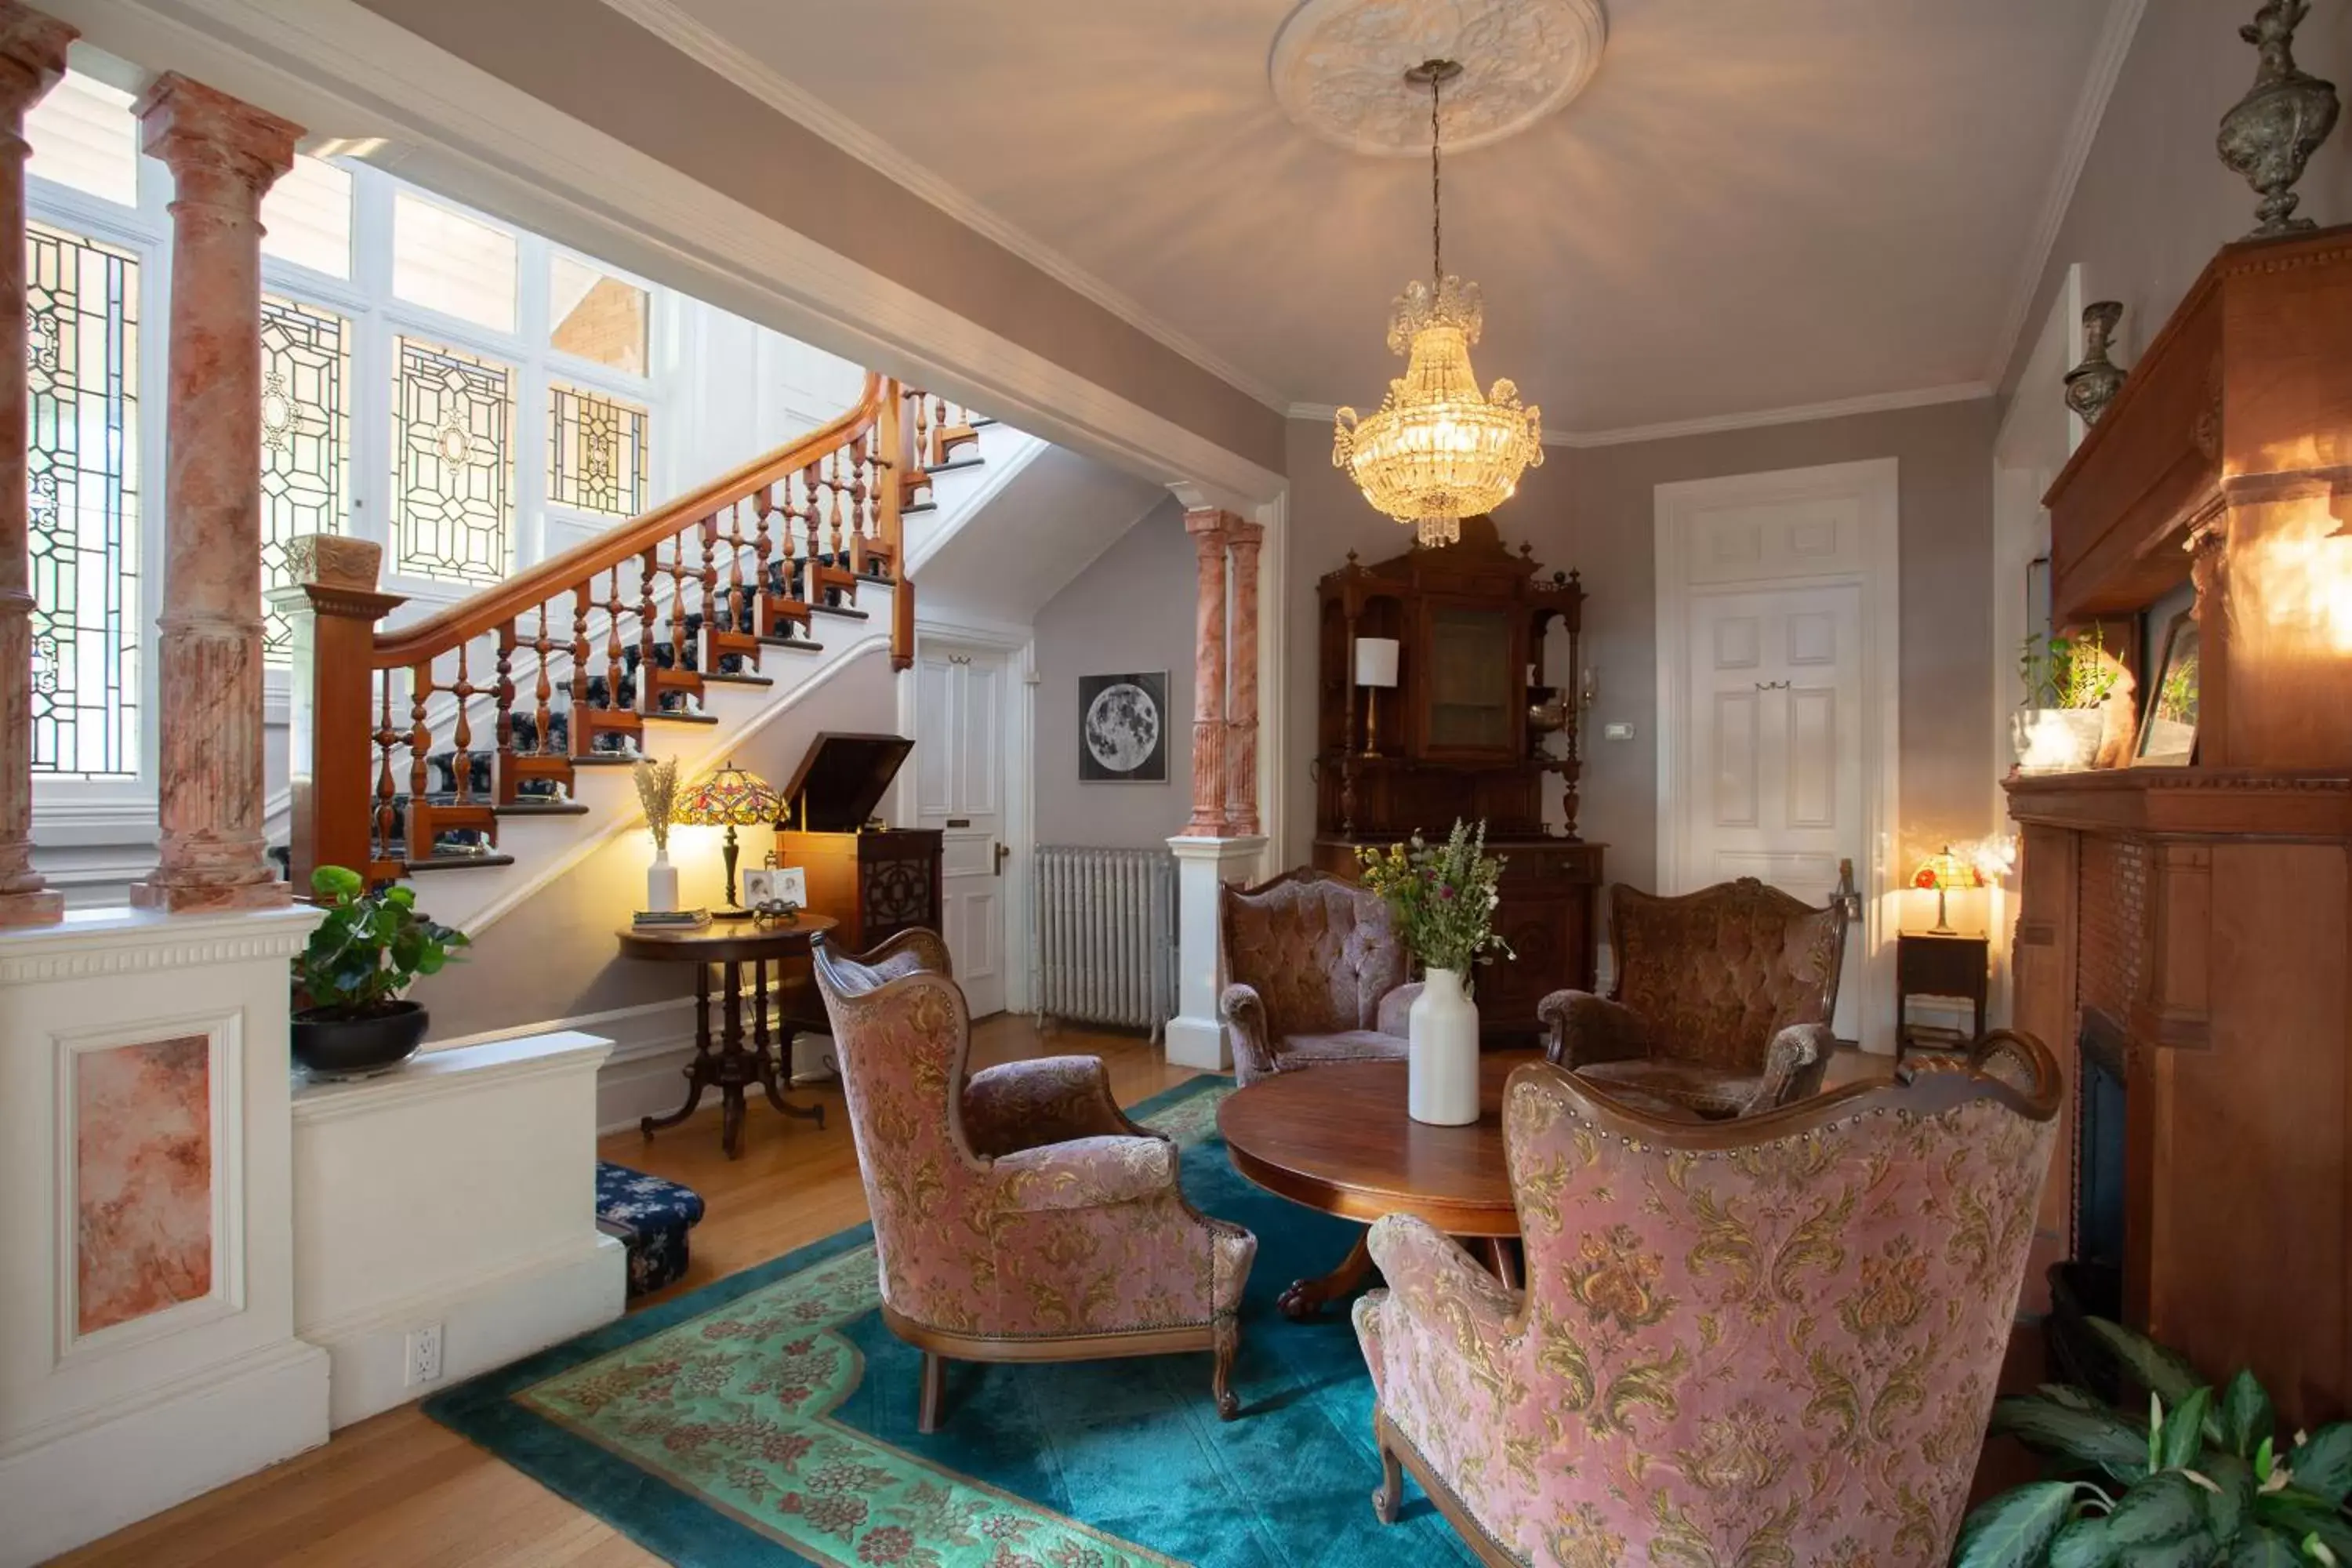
[
  {"x": 2271, "y": 132},
  {"x": 2093, "y": 385}
]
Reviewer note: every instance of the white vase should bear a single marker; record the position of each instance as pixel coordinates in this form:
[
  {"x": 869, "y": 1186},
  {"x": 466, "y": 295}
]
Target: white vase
[
  {"x": 2056, "y": 740},
  {"x": 661, "y": 884},
  {"x": 1442, "y": 1080}
]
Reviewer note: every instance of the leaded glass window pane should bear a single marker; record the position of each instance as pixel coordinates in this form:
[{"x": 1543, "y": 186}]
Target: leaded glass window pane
[
  {"x": 306, "y": 355},
  {"x": 597, "y": 316},
  {"x": 306, "y": 219},
  {"x": 448, "y": 262},
  {"x": 453, "y": 464},
  {"x": 84, "y": 135},
  {"x": 81, "y": 302},
  {"x": 598, "y": 458}
]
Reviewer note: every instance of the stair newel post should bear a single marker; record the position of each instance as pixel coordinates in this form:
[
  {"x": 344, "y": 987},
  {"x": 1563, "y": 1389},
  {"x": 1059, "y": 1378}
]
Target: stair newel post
[
  {"x": 647, "y": 614},
  {"x": 331, "y": 618},
  {"x": 577, "y": 740},
  {"x": 502, "y": 785},
  {"x": 420, "y": 744}
]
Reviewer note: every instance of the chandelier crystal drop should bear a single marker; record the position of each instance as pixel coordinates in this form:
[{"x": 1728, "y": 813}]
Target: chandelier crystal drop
[{"x": 1435, "y": 451}]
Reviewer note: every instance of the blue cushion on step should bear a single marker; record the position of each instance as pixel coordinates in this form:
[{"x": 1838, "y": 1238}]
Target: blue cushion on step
[{"x": 651, "y": 1217}]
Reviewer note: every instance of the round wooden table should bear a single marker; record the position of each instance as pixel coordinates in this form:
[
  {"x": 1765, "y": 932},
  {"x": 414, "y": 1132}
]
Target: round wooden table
[
  {"x": 731, "y": 1063},
  {"x": 1337, "y": 1138}
]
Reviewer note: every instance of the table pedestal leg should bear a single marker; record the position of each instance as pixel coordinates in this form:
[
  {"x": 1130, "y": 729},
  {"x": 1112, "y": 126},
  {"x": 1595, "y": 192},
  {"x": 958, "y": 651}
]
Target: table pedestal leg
[
  {"x": 1503, "y": 1258},
  {"x": 1307, "y": 1297},
  {"x": 702, "y": 1070},
  {"x": 776, "y": 1066}
]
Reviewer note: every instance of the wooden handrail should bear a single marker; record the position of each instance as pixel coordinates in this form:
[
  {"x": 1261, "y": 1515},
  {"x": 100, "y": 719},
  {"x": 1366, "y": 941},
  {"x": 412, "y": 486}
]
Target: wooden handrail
[{"x": 496, "y": 605}]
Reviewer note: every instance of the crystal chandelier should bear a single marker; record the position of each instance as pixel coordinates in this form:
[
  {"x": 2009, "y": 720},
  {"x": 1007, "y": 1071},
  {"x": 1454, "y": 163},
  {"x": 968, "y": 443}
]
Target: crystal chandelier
[{"x": 1435, "y": 451}]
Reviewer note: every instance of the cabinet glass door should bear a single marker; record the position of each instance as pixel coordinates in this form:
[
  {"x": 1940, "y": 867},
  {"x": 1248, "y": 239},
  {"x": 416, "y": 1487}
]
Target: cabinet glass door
[{"x": 1472, "y": 686}]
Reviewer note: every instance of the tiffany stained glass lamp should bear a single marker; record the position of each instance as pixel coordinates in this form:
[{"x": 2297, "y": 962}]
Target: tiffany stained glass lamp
[
  {"x": 1944, "y": 871},
  {"x": 730, "y": 798}
]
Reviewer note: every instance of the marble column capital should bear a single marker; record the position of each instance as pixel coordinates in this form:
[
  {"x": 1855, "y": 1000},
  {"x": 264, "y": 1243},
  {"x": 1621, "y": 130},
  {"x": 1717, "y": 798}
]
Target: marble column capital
[
  {"x": 215, "y": 146},
  {"x": 1242, "y": 534},
  {"x": 32, "y": 56},
  {"x": 1207, "y": 523}
]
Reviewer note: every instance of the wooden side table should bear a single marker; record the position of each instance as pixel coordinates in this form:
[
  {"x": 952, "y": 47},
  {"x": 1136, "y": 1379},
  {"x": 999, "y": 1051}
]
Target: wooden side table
[
  {"x": 729, "y": 1063},
  {"x": 1931, "y": 964}
]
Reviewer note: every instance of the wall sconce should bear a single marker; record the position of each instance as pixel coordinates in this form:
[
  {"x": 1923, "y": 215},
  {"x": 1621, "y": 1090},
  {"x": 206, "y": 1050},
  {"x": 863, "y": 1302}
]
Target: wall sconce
[{"x": 1375, "y": 671}]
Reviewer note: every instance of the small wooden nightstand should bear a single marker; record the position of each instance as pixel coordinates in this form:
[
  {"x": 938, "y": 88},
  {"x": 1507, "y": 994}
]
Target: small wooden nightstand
[{"x": 1929, "y": 963}]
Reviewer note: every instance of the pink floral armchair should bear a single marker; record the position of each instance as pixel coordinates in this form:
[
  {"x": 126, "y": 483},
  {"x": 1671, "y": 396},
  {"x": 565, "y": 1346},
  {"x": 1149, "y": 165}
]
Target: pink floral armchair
[
  {"x": 1018, "y": 1216},
  {"x": 1722, "y": 1005},
  {"x": 1316, "y": 974},
  {"x": 1768, "y": 1340}
]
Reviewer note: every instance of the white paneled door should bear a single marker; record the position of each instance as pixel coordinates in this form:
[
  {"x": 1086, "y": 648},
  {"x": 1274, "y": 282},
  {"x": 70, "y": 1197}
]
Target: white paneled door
[
  {"x": 1777, "y": 709},
  {"x": 959, "y": 726}
]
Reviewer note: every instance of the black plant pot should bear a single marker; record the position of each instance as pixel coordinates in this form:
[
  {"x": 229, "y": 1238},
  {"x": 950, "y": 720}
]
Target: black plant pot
[{"x": 334, "y": 1043}]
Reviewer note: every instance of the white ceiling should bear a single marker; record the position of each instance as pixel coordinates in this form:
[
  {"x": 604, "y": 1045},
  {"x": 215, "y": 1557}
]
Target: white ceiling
[{"x": 1755, "y": 204}]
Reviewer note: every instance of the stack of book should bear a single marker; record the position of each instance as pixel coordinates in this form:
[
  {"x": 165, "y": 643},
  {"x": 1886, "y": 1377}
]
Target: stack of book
[{"x": 683, "y": 920}]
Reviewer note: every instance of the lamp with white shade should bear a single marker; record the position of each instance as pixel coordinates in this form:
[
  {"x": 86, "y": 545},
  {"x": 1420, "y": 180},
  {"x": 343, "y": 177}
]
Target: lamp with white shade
[{"x": 1376, "y": 670}]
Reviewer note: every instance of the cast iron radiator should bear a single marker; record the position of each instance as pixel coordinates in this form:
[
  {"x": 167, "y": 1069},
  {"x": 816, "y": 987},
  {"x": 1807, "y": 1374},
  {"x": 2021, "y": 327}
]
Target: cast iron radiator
[{"x": 1106, "y": 936}]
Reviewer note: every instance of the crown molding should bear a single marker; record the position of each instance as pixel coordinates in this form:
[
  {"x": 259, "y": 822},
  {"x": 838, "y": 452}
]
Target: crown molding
[
  {"x": 1797, "y": 413},
  {"x": 2106, "y": 65},
  {"x": 674, "y": 26}
]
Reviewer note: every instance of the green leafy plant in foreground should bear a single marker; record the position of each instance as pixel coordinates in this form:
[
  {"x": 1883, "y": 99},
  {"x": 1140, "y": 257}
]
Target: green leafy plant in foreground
[
  {"x": 2200, "y": 1482},
  {"x": 370, "y": 948}
]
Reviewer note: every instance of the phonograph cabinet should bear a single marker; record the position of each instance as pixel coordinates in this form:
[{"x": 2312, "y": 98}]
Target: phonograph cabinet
[{"x": 1471, "y": 728}]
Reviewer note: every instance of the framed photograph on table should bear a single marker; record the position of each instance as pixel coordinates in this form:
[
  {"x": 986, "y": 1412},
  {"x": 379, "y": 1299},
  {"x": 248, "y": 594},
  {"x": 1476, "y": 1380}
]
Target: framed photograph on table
[
  {"x": 759, "y": 887},
  {"x": 1123, "y": 728},
  {"x": 2168, "y": 730}
]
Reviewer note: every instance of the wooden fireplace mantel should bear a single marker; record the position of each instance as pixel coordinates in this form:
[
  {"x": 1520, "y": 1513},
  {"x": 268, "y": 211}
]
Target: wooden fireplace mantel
[{"x": 2206, "y": 912}]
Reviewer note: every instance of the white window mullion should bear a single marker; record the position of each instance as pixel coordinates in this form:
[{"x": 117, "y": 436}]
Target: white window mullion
[{"x": 530, "y": 542}]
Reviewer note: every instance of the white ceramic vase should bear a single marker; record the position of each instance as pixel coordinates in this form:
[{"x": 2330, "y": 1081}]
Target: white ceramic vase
[
  {"x": 661, "y": 884},
  {"x": 1442, "y": 1080}
]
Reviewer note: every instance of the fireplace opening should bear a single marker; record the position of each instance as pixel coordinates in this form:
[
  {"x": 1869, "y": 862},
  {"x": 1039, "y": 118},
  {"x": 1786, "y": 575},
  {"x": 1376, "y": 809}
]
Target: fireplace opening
[{"x": 2091, "y": 1282}]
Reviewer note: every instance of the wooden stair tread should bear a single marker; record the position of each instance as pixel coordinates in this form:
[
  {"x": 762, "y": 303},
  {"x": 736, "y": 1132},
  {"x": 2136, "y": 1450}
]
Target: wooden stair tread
[
  {"x": 842, "y": 611},
  {"x": 952, "y": 465},
  {"x": 608, "y": 760},
  {"x": 682, "y": 717},
  {"x": 801, "y": 644},
  {"x": 542, "y": 808},
  {"x": 456, "y": 862},
  {"x": 725, "y": 679}
]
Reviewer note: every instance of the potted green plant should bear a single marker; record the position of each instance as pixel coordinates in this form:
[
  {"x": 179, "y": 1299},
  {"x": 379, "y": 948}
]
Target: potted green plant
[
  {"x": 1444, "y": 897},
  {"x": 371, "y": 947},
  {"x": 2067, "y": 679},
  {"x": 2199, "y": 1481}
]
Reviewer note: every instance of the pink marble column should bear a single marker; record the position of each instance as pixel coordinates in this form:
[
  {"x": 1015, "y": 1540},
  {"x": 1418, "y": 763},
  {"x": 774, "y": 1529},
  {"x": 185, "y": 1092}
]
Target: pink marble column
[
  {"x": 1207, "y": 526},
  {"x": 1240, "y": 722},
  {"x": 223, "y": 154},
  {"x": 32, "y": 59}
]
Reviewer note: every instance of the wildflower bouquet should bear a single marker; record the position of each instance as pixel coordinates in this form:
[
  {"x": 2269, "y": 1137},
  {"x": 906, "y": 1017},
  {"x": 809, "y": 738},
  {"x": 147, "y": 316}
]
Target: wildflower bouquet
[{"x": 1443, "y": 896}]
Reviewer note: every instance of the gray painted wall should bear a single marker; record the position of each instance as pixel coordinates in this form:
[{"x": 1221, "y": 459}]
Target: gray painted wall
[
  {"x": 2154, "y": 203},
  {"x": 1130, "y": 610},
  {"x": 1593, "y": 509},
  {"x": 553, "y": 957}
]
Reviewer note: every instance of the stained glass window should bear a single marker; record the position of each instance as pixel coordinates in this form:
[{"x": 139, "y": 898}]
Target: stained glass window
[
  {"x": 451, "y": 464},
  {"x": 82, "y": 496},
  {"x": 306, "y": 356},
  {"x": 597, "y": 460}
]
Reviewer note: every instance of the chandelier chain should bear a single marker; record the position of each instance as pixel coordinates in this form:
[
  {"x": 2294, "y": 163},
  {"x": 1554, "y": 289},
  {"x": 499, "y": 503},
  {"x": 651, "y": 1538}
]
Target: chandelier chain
[{"x": 1436, "y": 208}]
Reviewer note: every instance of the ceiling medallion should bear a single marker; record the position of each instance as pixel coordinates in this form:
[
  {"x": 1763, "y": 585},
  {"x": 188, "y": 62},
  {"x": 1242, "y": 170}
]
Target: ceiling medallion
[
  {"x": 1338, "y": 66},
  {"x": 1434, "y": 451}
]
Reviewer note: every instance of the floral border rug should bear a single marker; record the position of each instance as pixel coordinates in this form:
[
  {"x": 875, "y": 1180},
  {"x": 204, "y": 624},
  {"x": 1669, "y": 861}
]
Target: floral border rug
[{"x": 770, "y": 1418}]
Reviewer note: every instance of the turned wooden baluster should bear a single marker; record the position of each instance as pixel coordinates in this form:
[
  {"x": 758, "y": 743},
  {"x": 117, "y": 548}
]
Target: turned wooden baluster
[
  {"x": 761, "y": 547},
  {"x": 420, "y": 744},
  {"x": 737, "y": 606},
  {"x": 919, "y": 432},
  {"x": 647, "y": 615},
  {"x": 858, "y": 490},
  {"x": 461, "y": 764},
  {"x": 677, "y": 575},
  {"x": 582, "y": 598},
  {"x": 541, "y": 716},
  {"x": 709, "y": 531},
  {"x": 504, "y": 724},
  {"x": 613, "y": 639},
  {"x": 804, "y": 556},
  {"x": 385, "y": 738}
]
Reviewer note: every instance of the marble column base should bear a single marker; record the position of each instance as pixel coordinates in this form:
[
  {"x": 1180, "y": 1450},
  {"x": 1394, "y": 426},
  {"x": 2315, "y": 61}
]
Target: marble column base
[
  {"x": 41, "y": 906},
  {"x": 1196, "y": 1035},
  {"x": 184, "y": 891}
]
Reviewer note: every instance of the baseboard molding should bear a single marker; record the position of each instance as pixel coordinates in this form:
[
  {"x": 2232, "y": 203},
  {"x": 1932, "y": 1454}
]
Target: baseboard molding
[
  {"x": 166, "y": 1446},
  {"x": 485, "y": 1322},
  {"x": 650, "y": 1082}
]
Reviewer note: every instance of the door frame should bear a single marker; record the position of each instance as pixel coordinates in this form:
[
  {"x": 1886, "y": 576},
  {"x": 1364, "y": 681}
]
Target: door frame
[
  {"x": 1873, "y": 483},
  {"x": 1020, "y": 806}
]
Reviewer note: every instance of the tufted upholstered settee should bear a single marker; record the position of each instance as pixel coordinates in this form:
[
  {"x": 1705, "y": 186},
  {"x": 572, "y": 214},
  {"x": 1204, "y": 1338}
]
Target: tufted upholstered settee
[
  {"x": 1316, "y": 972},
  {"x": 1723, "y": 1001}
]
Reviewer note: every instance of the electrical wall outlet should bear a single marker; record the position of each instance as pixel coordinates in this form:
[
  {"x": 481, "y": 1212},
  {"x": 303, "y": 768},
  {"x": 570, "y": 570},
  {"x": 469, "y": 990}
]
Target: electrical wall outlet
[
  {"x": 424, "y": 1355},
  {"x": 1619, "y": 731}
]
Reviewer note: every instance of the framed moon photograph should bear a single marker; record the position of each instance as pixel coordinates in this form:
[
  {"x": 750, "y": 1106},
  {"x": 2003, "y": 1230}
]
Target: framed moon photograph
[{"x": 1123, "y": 729}]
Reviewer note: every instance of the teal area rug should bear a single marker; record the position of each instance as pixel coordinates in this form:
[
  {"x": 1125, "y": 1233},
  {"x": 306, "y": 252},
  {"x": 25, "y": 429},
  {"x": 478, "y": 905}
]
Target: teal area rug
[{"x": 770, "y": 1418}]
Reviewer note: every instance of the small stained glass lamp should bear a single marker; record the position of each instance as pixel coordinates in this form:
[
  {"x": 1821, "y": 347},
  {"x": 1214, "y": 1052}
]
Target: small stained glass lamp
[
  {"x": 730, "y": 798},
  {"x": 1944, "y": 871}
]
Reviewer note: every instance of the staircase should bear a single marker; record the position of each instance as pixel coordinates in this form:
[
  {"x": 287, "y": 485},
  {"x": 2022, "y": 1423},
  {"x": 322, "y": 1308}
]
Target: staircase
[{"x": 489, "y": 747}]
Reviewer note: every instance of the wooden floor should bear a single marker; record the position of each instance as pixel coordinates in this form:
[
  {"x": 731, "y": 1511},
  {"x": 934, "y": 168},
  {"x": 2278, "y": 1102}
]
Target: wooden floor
[{"x": 396, "y": 1489}]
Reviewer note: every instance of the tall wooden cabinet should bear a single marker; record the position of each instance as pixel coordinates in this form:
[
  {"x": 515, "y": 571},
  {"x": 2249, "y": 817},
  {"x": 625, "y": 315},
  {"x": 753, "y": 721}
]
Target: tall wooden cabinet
[{"x": 1470, "y": 729}]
